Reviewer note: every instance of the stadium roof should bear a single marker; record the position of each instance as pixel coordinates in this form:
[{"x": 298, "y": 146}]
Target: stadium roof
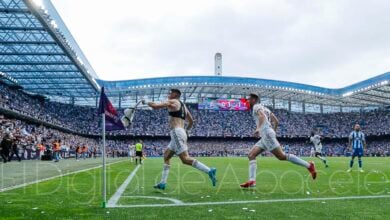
[{"x": 39, "y": 52}]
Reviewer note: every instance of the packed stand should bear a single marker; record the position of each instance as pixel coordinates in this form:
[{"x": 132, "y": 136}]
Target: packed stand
[{"x": 208, "y": 123}]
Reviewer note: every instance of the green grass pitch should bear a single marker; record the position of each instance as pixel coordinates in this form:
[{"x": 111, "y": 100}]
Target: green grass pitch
[{"x": 283, "y": 191}]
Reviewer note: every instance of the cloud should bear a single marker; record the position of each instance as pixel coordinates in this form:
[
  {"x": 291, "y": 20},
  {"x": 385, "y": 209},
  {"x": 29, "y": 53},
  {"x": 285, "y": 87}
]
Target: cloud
[{"x": 326, "y": 43}]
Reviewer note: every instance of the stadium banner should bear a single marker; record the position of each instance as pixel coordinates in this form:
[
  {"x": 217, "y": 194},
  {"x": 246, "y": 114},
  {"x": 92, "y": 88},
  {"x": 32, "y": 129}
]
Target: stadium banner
[{"x": 223, "y": 104}]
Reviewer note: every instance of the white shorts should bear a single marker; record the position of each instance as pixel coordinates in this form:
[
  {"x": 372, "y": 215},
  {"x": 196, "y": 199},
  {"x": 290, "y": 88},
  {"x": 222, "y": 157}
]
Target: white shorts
[
  {"x": 319, "y": 149},
  {"x": 131, "y": 153},
  {"x": 268, "y": 140},
  {"x": 178, "y": 142}
]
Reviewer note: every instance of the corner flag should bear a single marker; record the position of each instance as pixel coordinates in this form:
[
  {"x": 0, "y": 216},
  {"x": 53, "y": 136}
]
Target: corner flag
[
  {"x": 113, "y": 121},
  {"x": 110, "y": 122}
]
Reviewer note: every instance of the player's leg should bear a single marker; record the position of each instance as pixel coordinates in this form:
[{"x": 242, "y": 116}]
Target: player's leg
[
  {"x": 168, "y": 154},
  {"x": 319, "y": 156},
  {"x": 252, "y": 155},
  {"x": 179, "y": 143},
  {"x": 186, "y": 159},
  {"x": 351, "y": 162},
  {"x": 278, "y": 152},
  {"x": 360, "y": 161},
  {"x": 138, "y": 157},
  {"x": 141, "y": 157}
]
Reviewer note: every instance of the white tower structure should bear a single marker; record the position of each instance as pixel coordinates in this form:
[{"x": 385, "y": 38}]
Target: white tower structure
[{"x": 218, "y": 64}]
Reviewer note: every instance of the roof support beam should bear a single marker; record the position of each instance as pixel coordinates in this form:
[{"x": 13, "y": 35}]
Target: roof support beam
[
  {"x": 28, "y": 42},
  {"x": 37, "y": 63},
  {"x": 31, "y": 53},
  {"x": 3, "y": 28},
  {"x": 60, "y": 83},
  {"x": 43, "y": 71},
  {"x": 14, "y": 10},
  {"x": 55, "y": 77}
]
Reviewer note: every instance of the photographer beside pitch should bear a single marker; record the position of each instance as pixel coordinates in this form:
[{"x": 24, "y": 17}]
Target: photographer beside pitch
[{"x": 178, "y": 114}]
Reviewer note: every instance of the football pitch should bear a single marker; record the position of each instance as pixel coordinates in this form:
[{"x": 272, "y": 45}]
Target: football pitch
[{"x": 283, "y": 191}]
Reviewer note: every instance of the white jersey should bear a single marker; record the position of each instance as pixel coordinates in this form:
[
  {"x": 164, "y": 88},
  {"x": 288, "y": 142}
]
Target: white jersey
[
  {"x": 316, "y": 140},
  {"x": 268, "y": 139},
  {"x": 255, "y": 113}
]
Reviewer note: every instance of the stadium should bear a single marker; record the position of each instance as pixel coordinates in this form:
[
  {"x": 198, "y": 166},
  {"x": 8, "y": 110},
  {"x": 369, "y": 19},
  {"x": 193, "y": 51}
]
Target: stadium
[{"x": 53, "y": 147}]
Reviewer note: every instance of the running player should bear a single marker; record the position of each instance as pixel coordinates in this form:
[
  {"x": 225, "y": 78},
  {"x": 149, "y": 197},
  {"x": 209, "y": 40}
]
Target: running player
[
  {"x": 316, "y": 140},
  {"x": 266, "y": 125},
  {"x": 178, "y": 114},
  {"x": 357, "y": 142}
]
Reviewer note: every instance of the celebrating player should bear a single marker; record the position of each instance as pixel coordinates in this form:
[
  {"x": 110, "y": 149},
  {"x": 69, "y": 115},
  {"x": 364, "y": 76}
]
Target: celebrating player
[
  {"x": 178, "y": 114},
  {"x": 357, "y": 142},
  {"x": 316, "y": 140},
  {"x": 266, "y": 125}
]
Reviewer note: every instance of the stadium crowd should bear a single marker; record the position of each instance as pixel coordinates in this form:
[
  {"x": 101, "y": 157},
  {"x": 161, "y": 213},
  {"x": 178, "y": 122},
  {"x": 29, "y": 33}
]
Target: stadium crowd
[
  {"x": 209, "y": 123},
  {"x": 31, "y": 141}
]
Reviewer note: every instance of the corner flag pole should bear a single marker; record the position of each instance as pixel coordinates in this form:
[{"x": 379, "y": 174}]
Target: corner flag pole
[
  {"x": 104, "y": 160},
  {"x": 109, "y": 113}
]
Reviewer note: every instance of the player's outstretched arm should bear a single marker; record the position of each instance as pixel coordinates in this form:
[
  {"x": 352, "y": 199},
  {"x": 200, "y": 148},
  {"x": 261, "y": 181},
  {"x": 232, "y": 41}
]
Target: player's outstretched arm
[{"x": 161, "y": 105}]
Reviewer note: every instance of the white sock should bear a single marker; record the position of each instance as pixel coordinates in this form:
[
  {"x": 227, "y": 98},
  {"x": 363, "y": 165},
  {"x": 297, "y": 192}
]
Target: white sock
[
  {"x": 296, "y": 160},
  {"x": 165, "y": 173},
  {"x": 252, "y": 170},
  {"x": 200, "y": 166}
]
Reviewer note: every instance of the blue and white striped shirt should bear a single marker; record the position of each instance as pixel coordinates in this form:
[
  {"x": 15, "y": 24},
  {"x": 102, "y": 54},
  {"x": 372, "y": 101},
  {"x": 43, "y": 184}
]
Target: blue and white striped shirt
[{"x": 357, "y": 139}]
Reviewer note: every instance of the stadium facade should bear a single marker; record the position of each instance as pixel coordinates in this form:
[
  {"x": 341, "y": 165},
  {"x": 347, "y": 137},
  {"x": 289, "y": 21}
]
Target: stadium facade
[{"x": 39, "y": 54}]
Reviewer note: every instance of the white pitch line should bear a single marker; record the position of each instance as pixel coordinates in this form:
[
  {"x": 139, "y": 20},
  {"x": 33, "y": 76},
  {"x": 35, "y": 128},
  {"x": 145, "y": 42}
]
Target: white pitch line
[
  {"x": 115, "y": 198},
  {"x": 175, "y": 201},
  {"x": 53, "y": 177},
  {"x": 254, "y": 201}
]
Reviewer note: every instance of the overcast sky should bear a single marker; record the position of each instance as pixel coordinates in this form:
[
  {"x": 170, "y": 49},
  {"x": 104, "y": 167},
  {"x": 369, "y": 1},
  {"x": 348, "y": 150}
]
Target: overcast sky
[{"x": 330, "y": 43}]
